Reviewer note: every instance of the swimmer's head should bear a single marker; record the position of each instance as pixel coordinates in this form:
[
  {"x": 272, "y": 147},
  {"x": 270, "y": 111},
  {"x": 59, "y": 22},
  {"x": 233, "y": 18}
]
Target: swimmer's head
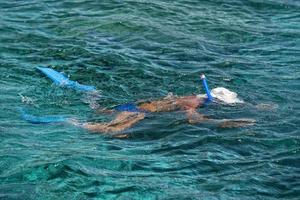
[
  {"x": 222, "y": 95},
  {"x": 225, "y": 96}
]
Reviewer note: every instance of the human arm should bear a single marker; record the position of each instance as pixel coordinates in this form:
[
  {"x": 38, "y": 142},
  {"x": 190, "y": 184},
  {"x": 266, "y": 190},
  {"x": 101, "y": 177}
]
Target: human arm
[{"x": 195, "y": 117}]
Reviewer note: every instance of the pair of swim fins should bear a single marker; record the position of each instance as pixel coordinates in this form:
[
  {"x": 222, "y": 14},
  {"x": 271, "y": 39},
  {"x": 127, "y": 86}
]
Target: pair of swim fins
[{"x": 62, "y": 81}]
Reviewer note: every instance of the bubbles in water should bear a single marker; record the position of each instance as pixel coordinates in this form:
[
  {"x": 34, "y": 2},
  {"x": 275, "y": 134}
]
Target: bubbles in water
[
  {"x": 92, "y": 99},
  {"x": 27, "y": 100}
]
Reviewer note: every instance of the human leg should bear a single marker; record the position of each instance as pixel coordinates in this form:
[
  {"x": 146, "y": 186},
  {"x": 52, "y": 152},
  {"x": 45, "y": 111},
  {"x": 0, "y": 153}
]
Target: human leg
[{"x": 122, "y": 121}]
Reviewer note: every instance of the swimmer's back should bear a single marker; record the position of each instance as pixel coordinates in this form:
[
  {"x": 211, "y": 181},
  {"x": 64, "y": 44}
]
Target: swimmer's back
[{"x": 171, "y": 104}]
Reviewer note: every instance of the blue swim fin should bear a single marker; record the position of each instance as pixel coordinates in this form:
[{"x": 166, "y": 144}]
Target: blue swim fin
[
  {"x": 59, "y": 79},
  {"x": 42, "y": 120}
]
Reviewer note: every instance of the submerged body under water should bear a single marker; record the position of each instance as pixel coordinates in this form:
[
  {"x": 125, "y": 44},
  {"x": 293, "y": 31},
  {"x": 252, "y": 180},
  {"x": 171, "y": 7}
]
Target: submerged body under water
[{"x": 141, "y": 50}]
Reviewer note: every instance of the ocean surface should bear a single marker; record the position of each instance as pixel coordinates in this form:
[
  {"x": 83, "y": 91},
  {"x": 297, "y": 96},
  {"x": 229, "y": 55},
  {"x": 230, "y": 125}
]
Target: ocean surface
[{"x": 138, "y": 49}]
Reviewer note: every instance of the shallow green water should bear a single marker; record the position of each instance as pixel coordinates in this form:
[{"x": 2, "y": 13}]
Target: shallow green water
[{"x": 133, "y": 50}]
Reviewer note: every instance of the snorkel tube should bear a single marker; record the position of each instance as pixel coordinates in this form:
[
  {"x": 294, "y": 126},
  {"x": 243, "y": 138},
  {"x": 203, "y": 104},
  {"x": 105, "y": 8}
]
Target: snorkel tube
[{"x": 205, "y": 86}]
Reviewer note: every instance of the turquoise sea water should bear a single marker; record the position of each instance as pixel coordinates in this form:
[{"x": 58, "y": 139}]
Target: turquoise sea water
[{"x": 138, "y": 49}]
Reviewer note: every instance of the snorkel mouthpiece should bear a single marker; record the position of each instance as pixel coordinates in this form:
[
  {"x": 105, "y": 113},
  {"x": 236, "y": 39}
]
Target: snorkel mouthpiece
[{"x": 205, "y": 86}]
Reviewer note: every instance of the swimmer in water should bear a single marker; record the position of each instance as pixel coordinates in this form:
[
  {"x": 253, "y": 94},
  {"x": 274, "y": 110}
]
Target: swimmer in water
[{"x": 130, "y": 114}]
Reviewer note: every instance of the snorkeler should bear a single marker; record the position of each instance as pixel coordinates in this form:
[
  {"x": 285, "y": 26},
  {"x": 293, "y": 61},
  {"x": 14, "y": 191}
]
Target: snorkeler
[{"x": 129, "y": 114}]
